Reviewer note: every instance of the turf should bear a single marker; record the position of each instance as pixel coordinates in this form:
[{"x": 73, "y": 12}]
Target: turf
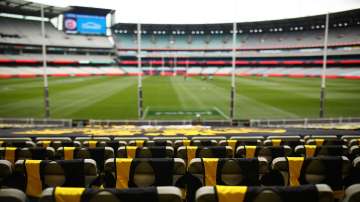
[{"x": 176, "y": 98}]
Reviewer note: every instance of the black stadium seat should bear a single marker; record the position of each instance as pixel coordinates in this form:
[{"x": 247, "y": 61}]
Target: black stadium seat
[
  {"x": 151, "y": 194},
  {"x": 310, "y": 193}
]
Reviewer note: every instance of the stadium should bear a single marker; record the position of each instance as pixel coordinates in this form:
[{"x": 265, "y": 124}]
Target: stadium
[{"x": 95, "y": 107}]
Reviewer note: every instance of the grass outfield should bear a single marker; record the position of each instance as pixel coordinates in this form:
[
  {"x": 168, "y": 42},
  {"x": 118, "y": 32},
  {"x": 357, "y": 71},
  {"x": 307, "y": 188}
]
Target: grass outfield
[{"x": 175, "y": 98}]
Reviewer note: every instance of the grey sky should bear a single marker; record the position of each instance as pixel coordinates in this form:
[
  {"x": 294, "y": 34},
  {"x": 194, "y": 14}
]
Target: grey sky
[{"x": 210, "y": 11}]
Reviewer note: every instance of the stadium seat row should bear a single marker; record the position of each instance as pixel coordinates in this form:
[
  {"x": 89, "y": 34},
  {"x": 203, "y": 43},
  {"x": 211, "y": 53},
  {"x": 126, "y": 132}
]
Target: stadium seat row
[
  {"x": 184, "y": 152},
  {"x": 309, "y": 193},
  {"x": 33, "y": 176},
  {"x": 183, "y": 141}
]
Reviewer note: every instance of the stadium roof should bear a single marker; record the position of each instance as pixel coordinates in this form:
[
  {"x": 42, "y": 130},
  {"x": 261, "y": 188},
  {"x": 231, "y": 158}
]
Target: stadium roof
[
  {"x": 30, "y": 8},
  {"x": 22, "y": 7},
  {"x": 350, "y": 17}
]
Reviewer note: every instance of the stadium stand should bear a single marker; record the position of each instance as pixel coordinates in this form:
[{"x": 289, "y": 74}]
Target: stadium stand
[
  {"x": 144, "y": 162},
  {"x": 293, "y": 50},
  {"x": 28, "y": 32},
  {"x": 211, "y": 165}
]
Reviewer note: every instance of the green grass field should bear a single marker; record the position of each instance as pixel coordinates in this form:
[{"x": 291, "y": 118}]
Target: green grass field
[{"x": 175, "y": 98}]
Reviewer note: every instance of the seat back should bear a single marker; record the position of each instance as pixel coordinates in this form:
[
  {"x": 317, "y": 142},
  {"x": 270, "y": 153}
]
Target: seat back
[
  {"x": 205, "y": 152},
  {"x": 12, "y": 195},
  {"x": 146, "y": 152},
  {"x": 325, "y": 194},
  {"x": 54, "y": 173},
  {"x": 82, "y": 139},
  {"x": 352, "y": 193},
  {"x": 313, "y": 141},
  {"x": 326, "y": 150},
  {"x": 144, "y": 173},
  {"x": 231, "y": 172},
  {"x": 315, "y": 170},
  {"x": 5, "y": 169},
  {"x": 267, "y": 152},
  {"x": 164, "y": 194},
  {"x": 153, "y": 143}
]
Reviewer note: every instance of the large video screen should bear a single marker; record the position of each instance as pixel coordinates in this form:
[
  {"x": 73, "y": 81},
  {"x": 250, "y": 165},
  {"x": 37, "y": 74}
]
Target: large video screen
[{"x": 84, "y": 24}]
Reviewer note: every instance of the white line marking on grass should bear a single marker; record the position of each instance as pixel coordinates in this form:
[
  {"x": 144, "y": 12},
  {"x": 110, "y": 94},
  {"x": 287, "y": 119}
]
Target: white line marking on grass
[
  {"x": 145, "y": 112},
  {"x": 221, "y": 113}
]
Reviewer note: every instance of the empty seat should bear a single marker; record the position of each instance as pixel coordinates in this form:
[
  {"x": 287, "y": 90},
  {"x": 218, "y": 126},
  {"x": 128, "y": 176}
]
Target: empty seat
[
  {"x": 93, "y": 143},
  {"x": 12, "y": 153},
  {"x": 150, "y": 143},
  {"x": 284, "y": 137},
  {"x": 320, "y": 142},
  {"x": 15, "y": 139},
  {"x": 12, "y": 195},
  {"x": 350, "y": 137},
  {"x": 127, "y": 139},
  {"x": 145, "y": 152},
  {"x": 228, "y": 171},
  {"x": 234, "y": 144},
  {"x": 289, "y": 142},
  {"x": 328, "y": 150},
  {"x": 308, "y": 193},
  {"x": 99, "y": 154},
  {"x": 196, "y": 142},
  {"x": 16, "y": 142},
  {"x": 36, "y": 153},
  {"x": 115, "y": 144},
  {"x": 268, "y": 152},
  {"x": 143, "y": 172},
  {"x": 37, "y": 174},
  {"x": 5, "y": 170},
  {"x": 354, "y": 151},
  {"x": 217, "y": 138},
  {"x": 190, "y": 152},
  {"x": 352, "y": 193},
  {"x": 354, "y": 142},
  {"x": 61, "y": 139},
  {"x": 247, "y": 138},
  {"x": 151, "y": 194},
  {"x": 325, "y": 137},
  {"x": 56, "y": 143},
  {"x": 317, "y": 170},
  {"x": 171, "y": 138},
  {"x": 82, "y": 139}
]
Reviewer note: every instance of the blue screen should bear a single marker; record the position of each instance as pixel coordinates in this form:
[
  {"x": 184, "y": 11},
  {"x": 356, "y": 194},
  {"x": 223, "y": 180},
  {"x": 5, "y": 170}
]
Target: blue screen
[{"x": 84, "y": 24}]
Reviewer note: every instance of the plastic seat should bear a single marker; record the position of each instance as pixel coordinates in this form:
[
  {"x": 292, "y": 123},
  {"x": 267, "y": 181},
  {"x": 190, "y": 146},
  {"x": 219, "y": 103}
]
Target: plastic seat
[
  {"x": 100, "y": 155},
  {"x": 352, "y": 193},
  {"x": 148, "y": 152},
  {"x": 325, "y": 142},
  {"x": 327, "y": 150},
  {"x": 82, "y": 139},
  {"x": 32, "y": 176},
  {"x": 271, "y": 194},
  {"x": 317, "y": 170},
  {"x": 142, "y": 174},
  {"x": 196, "y": 142},
  {"x": 12, "y": 195},
  {"x": 17, "y": 142},
  {"x": 56, "y": 142},
  {"x": 6, "y": 170},
  {"x": 325, "y": 137},
  {"x": 232, "y": 171},
  {"x": 163, "y": 194},
  {"x": 152, "y": 143},
  {"x": 267, "y": 152},
  {"x": 206, "y": 152},
  {"x": 127, "y": 139}
]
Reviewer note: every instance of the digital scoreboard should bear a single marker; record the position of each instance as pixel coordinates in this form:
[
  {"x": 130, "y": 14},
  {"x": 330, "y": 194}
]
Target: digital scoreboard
[{"x": 84, "y": 24}]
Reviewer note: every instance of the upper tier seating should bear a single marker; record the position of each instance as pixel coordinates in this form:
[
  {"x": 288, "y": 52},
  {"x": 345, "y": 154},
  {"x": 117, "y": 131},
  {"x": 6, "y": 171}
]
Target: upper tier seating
[{"x": 29, "y": 32}]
